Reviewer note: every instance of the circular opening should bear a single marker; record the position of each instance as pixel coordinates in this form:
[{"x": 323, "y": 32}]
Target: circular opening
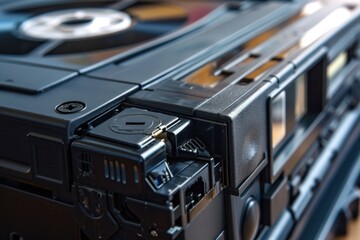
[{"x": 77, "y": 22}]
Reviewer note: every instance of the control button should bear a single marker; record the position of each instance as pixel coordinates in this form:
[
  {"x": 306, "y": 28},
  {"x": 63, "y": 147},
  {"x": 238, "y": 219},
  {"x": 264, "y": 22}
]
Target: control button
[{"x": 251, "y": 220}]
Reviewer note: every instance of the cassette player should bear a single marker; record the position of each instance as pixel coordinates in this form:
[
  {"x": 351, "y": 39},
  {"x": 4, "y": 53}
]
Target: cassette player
[{"x": 179, "y": 119}]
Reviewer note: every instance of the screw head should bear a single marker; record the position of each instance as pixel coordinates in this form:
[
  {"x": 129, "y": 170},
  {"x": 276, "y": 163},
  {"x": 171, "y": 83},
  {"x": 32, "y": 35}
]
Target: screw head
[{"x": 70, "y": 107}]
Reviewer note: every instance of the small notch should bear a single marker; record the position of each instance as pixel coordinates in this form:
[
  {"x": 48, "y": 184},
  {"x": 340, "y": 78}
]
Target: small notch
[{"x": 135, "y": 123}]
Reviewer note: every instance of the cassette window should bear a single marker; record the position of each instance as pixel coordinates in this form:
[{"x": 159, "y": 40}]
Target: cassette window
[
  {"x": 304, "y": 101},
  {"x": 300, "y": 97},
  {"x": 278, "y": 117},
  {"x": 295, "y": 107},
  {"x": 336, "y": 65}
]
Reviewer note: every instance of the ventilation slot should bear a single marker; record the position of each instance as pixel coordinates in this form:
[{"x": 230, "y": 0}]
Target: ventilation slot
[
  {"x": 115, "y": 171},
  {"x": 193, "y": 148},
  {"x": 85, "y": 165},
  {"x": 260, "y": 72},
  {"x": 193, "y": 145}
]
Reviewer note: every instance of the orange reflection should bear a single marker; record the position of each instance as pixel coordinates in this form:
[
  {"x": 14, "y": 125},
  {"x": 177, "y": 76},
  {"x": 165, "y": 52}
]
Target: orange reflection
[
  {"x": 205, "y": 76},
  {"x": 162, "y": 12}
]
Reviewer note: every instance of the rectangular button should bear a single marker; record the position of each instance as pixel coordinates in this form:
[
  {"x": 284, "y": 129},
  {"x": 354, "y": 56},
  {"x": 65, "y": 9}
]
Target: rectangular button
[
  {"x": 31, "y": 79},
  {"x": 274, "y": 202}
]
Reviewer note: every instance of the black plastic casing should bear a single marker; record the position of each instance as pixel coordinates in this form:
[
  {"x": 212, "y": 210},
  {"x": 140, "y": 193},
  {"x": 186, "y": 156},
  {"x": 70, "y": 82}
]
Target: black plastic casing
[
  {"x": 46, "y": 121},
  {"x": 129, "y": 150}
]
